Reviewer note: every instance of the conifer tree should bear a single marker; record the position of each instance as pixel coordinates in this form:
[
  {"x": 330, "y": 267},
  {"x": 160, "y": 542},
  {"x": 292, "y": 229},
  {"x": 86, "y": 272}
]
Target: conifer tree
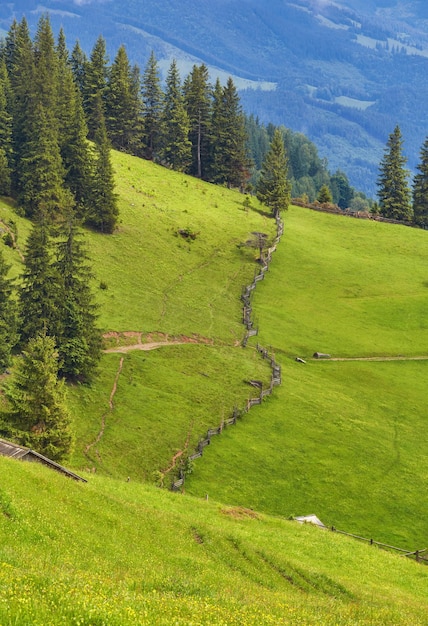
[
  {"x": 197, "y": 93},
  {"x": 37, "y": 296},
  {"x": 175, "y": 146},
  {"x": 95, "y": 86},
  {"x": 8, "y": 321},
  {"x": 393, "y": 189},
  {"x": 78, "y": 62},
  {"x": 123, "y": 106},
  {"x": 273, "y": 187},
  {"x": 103, "y": 212},
  {"x": 420, "y": 189},
  {"x": 324, "y": 195},
  {"x": 38, "y": 417},
  {"x": 152, "y": 95},
  {"x": 229, "y": 160},
  {"x": 74, "y": 148},
  {"x": 77, "y": 337},
  {"x": 5, "y": 132}
]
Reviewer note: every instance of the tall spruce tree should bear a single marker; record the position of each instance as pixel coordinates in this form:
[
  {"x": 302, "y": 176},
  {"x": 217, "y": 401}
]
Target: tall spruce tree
[
  {"x": 197, "y": 94},
  {"x": 78, "y": 62},
  {"x": 77, "y": 337},
  {"x": 74, "y": 148},
  {"x": 103, "y": 212},
  {"x": 95, "y": 86},
  {"x": 38, "y": 417},
  {"x": 175, "y": 146},
  {"x": 152, "y": 96},
  {"x": 123, "y": 106},
  {"x": 420, "y": 189},
  {"x": 8, "y": 319},
  {"x": 229, "y": 162},
  {"x": 393, "y": 189},
  {"x": 37, "y": 294},
  {"x": 273, "y": 187},
  {"x": 5, "y": 132}
]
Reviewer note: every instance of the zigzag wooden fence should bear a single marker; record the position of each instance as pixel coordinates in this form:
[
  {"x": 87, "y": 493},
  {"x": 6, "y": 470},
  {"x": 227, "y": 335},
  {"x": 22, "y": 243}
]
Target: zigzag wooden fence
[{"x": 251, "y": 330}]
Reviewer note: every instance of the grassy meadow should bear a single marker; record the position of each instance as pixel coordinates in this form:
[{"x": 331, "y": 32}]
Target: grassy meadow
[
  {"x": 345, "y": 439},
  {"x": 115, "y": 553},
  {"x": 341, "y": 439}
]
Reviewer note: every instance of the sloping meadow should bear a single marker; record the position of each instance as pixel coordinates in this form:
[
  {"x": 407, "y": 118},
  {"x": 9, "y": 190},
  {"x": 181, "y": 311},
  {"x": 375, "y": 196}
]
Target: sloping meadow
[{"x": 341, "y": 439}]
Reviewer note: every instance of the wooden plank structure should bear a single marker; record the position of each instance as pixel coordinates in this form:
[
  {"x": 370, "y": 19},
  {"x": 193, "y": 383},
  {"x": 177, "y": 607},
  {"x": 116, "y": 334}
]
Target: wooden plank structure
[{"x": 13, "y": 451}]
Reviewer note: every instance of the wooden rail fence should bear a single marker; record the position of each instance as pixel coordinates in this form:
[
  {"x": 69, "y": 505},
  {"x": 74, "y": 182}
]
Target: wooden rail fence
[{"x": 251, "y": 330}]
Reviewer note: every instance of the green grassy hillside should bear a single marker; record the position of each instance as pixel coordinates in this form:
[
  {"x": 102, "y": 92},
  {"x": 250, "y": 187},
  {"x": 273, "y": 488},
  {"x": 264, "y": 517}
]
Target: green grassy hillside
[
  {"x": 345, "y": 439},
  {"x": 116, "y": 553},
  {"x": 342, "y": 439}
]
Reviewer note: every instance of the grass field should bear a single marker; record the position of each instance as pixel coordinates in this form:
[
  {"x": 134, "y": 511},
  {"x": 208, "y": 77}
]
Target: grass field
[
  {"x": 344, "y": 440},
  {"x": 341, "y": 439},
  {"x": 116, "y": 553}
]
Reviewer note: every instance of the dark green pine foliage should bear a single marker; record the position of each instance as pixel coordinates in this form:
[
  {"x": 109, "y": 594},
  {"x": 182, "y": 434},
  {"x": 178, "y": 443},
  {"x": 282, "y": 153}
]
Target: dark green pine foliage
[
  {"x": 273, "y": 187},
  {"x": 37, "y": 294},
  {"x": 78, "y": 62},
  {"x": 341, "y": 190},
  {"x": 40, "y": 168},
  {"x": 95, "y": 86},
  {"x": 5, "y": 132},
  {"x": 420, "y": 189},
  {"x": 393, "y": 189},
  {"x": 103, "y": 213},
  {"x": 41, "y": 173},
  {"x": 324, "y": 195},
  {"x": 197, "y": 94},
  {"x": 20, "y": 64},
  {"x": 8, "y": 319},
  {"x": 175, "y": 146},
  {"x": 123, "y": 106},
  {"x": 152, "y": 96},
  {"x": 38, "y": 417},
  {"x": 8, "y": 52},
  {"x": 77, "y": 337},
  {"x": 229, "y": 163},
  {"x": 74, "y": 149}
]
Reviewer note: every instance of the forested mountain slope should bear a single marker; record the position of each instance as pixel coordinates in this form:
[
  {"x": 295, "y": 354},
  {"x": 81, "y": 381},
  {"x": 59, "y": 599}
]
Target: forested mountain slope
[{"x": 344, "y": 73}]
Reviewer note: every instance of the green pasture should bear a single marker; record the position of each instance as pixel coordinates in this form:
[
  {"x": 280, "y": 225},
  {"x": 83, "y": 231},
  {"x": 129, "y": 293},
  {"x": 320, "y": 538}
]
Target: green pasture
[
  {"x": 116, "y": 553},
  {"x": 164, "y": 403},
  {"x": 345, "y": 439}
]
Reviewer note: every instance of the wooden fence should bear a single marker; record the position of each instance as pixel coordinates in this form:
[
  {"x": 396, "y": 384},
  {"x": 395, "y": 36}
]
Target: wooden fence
[
  {"x": 251, "y": 329},
  {"x": 420, "y": 556}
]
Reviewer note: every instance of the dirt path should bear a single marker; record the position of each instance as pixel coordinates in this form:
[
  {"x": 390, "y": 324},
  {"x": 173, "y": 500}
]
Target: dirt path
[
  {"x": 377, "y": 358},
  {"x": 104, "y": 416},
  {"x": 143, "y": 346}
]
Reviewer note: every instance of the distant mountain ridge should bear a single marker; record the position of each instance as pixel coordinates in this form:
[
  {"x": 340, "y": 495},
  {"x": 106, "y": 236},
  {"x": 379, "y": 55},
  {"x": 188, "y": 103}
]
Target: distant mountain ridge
[{"x": 342, "y": 72}]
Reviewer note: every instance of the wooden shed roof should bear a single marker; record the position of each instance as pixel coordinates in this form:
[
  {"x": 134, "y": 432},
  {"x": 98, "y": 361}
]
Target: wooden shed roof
[{"x": 12, "y": 450}]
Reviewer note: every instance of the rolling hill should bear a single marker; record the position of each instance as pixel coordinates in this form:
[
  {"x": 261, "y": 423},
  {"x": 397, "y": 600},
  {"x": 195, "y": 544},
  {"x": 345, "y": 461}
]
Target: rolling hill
[
  {"x": 342, "y": 439},
  {"x": 343, "y": 73}
]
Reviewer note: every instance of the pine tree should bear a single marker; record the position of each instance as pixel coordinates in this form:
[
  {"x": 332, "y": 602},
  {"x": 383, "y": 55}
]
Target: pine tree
[
  {"x": 197, "y": 93},
  {"x": 38, "y": 417},
  {"x": 175, "y": 146},
  {"x": 123, "y": 106},
  {"x": 36, "y": 296},
  {"x": 152, "y": 95},
  {"x": 8, "y": 321},
  {"x": 95, "y": 86},
  {"x": 229, "y": 163},
  {"x": 103, "y": 212},
  {"x": 393, "y": 189},
  {"x": 5, "y": 132},
  {"x": 273, "y": 187},
  {"x": 77, "y": 337},
  {"x": 420, "y": 189},
  {"x": 74, "y": 149},
  {"x": 78, "y": 62},
  {"x": 324, "y": 195}
]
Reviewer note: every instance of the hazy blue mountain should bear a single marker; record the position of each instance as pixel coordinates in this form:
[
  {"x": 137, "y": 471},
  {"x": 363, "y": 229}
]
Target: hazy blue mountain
[{"x": 343, "y": 72}]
